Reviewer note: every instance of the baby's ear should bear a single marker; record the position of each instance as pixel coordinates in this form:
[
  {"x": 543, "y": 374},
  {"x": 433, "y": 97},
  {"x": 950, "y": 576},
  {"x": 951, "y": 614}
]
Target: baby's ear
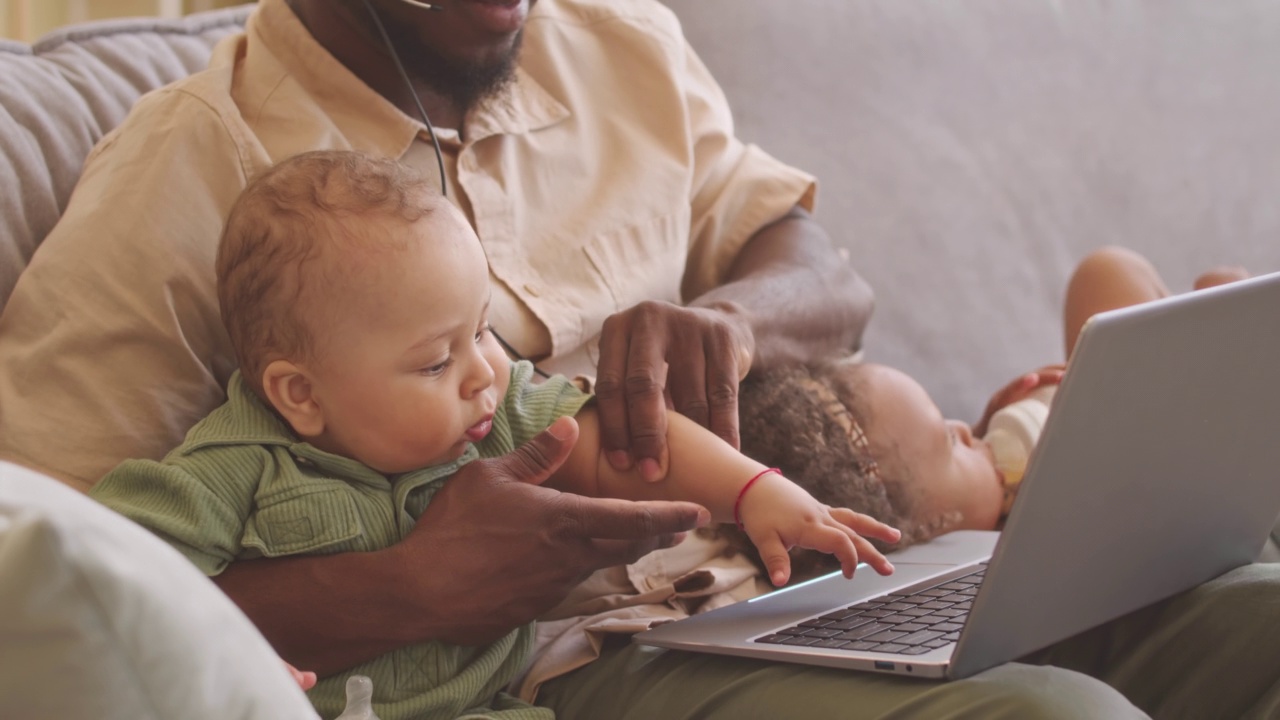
[{"x": 290, "y": 392}]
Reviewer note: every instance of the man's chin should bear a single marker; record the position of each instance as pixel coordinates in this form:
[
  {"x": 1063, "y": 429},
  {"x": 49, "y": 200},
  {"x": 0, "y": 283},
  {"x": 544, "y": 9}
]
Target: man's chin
[
  {"x": 475, "y": 81},
  {"x": 467, "y": 80}
]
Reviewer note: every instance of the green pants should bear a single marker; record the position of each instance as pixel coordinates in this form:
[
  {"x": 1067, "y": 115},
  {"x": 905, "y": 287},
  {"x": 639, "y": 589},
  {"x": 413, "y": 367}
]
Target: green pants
[{"x": 1213, "y": 652}]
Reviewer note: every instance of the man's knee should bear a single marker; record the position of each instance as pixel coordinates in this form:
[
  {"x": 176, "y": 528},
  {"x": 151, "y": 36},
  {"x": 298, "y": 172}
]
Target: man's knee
[
  {"x": 1032, "y": 691},
  {"x": 1245, "y": 596}
]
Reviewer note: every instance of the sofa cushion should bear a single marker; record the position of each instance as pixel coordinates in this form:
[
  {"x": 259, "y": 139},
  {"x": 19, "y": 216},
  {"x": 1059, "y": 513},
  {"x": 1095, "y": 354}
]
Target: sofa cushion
[
  {"x": 61, "y": 95},
  {"x": 102, "y": 620}
]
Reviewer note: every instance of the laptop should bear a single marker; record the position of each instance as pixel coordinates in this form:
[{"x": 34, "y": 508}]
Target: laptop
[{"x": 1158, "y": 469}]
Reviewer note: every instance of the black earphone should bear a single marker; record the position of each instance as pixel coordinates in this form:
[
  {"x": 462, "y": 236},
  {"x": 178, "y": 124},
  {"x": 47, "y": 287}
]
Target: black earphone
[
  {"x": 404, "y": 76},
  {"x": 413, "y": 93}
]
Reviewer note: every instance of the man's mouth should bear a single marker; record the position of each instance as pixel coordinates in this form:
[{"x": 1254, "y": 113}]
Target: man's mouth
[{"x": 496, "y": 16}]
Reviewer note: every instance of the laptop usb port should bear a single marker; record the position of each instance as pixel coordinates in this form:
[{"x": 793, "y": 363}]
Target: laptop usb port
[{"x": 884, "y": 665}]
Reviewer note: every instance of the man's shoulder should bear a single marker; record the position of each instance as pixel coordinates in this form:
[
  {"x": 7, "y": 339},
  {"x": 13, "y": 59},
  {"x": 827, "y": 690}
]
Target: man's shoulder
[
  {"x": 187, "y": 110},
  {"x": 207, "y": 92}
]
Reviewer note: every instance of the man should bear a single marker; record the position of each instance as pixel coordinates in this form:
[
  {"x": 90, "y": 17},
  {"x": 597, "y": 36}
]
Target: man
[
  {"x": 595, "y": 157},
  {"x": 599, "y": 214}
]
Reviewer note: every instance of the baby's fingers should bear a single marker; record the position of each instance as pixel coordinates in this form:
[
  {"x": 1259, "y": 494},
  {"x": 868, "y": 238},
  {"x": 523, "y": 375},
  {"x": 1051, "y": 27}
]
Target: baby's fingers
[
  {"x": 866, "y": 525},
  {"x": 852, "y": 548},
  {"x": 775, "y": 557},
  {"x": 833, "y": 539},
  {"x": 870, "y": 555}
]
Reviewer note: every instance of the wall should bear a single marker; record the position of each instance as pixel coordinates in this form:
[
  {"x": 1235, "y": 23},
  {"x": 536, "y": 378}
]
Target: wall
[{"x": 27, "y": 20}]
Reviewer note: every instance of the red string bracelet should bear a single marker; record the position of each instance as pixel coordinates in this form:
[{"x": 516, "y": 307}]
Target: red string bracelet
[{"x": 738, "y": 503}]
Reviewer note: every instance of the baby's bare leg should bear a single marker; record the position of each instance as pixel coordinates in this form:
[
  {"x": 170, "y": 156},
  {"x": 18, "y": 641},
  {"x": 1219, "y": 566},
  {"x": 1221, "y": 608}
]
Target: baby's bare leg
[{"x": 1108, "y": 278}]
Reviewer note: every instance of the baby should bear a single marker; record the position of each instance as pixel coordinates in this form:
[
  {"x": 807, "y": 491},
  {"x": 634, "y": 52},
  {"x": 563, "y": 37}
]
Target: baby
[
  {"x": 356, "y": 299},
  {"x": 869, "y": 437}
]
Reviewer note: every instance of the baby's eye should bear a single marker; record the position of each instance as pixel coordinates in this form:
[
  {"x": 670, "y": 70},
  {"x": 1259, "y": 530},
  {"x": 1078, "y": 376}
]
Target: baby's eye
[
  {"x": 484, "y": 330},
  {"x": 436, "y": 370}
]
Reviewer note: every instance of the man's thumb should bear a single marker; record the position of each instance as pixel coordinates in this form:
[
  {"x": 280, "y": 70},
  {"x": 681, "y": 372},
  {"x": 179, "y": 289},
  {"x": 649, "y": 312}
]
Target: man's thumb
[{"x": 536, "y": 460}]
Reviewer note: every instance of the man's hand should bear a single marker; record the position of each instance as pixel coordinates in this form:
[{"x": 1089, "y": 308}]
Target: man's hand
[
  {"x": 494, "y": 550},
  {"x": 658, "y": 355}
]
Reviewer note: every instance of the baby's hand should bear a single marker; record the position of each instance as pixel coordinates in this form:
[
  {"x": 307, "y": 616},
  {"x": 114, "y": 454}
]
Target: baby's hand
[
  {"x": 1016, "y": 390},
  {"x": 777, "y": 514},
  {"x": 306, "y": 680}
]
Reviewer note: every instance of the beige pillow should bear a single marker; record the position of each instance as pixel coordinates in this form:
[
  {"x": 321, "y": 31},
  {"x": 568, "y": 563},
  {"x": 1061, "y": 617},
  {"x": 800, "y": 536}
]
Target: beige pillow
[{"x": 99, "y": 620}]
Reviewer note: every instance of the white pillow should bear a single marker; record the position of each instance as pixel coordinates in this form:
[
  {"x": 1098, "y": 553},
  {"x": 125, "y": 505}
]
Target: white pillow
[{"x": 99, "y": 620}]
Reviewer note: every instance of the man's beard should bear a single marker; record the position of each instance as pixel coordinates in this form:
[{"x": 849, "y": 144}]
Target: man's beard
[{"x": 465, "y": 83}]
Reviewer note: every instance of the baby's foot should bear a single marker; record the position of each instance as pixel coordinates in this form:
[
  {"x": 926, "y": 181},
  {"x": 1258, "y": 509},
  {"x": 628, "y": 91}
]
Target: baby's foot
[{"x": 1220, "y": 276}]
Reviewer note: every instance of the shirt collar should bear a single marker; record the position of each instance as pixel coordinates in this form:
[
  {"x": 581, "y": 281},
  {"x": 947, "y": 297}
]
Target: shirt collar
[
  {"x": 369, "y": 121},
  {"x": 242, "y": 420},
  {"x": 246, "y": 420},
  {"x": 524, "y": 107}
]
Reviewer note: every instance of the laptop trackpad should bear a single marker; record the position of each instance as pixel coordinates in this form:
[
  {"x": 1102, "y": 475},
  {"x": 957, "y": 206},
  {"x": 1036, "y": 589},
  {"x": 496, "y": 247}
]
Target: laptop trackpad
[
  {"x": 782, "y": 608},
  {"x": 961, "y": 547}
]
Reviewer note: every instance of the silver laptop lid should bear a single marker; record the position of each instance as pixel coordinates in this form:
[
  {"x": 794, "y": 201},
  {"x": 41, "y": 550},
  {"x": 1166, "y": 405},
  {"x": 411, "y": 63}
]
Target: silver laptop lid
[{"x": 1170, "y": 411}]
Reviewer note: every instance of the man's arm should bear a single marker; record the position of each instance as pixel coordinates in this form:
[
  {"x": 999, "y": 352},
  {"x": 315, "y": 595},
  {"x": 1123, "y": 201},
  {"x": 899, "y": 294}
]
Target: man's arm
[
  {"x": 789, "y": 297},
  {"x": 763, "y": 285},
  {"x": 493, "y": 551},
  {"x": 799, "y": 297}
]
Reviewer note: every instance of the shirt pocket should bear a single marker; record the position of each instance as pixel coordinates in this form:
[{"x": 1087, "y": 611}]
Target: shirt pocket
[
  {"x": 305, "y": 521},
  {"x": 638, "y": 262}
]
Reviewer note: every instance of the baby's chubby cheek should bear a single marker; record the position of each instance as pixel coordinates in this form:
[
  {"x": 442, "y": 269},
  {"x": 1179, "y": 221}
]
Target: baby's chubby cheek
[{"x": 986, "y": 509}]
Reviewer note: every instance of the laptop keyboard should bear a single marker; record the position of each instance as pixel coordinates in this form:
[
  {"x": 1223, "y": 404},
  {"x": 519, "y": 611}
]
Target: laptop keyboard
[{"x": 911, "y": 621}]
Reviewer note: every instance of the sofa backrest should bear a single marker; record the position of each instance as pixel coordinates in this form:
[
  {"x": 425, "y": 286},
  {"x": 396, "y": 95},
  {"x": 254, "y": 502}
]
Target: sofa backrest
[
  {"x": 61, "y": 95},
  {"x": 969, "y": 153}
]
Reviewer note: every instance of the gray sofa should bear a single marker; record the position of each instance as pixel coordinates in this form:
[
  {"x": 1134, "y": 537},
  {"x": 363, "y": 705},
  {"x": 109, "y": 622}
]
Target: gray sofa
[{"x": 969, "y": 154}]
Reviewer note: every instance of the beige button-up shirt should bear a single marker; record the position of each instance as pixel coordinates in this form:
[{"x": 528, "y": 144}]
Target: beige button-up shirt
[{"x": 608, "y": 173}]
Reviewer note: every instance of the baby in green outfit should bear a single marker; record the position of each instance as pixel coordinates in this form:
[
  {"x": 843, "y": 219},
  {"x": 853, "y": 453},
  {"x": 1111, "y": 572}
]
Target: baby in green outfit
[{"x": 356, "y": 299}]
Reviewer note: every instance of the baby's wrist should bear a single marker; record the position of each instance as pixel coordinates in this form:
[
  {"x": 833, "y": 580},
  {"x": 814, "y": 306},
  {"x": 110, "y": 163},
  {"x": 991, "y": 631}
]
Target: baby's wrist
[{"x": 757, "y": 479}]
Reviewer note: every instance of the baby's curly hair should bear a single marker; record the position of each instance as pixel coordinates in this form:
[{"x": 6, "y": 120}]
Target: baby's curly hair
[{"x": 805, "y": 421}]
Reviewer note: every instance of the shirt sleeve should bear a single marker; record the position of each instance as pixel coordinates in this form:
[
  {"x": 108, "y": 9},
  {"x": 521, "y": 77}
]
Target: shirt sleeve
[
  {"x": 111, "y": 346},
  {"x": 737, "y": 188},
  {"x": 529, "y": 408},
  {"x": 199, "y": 507}
]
